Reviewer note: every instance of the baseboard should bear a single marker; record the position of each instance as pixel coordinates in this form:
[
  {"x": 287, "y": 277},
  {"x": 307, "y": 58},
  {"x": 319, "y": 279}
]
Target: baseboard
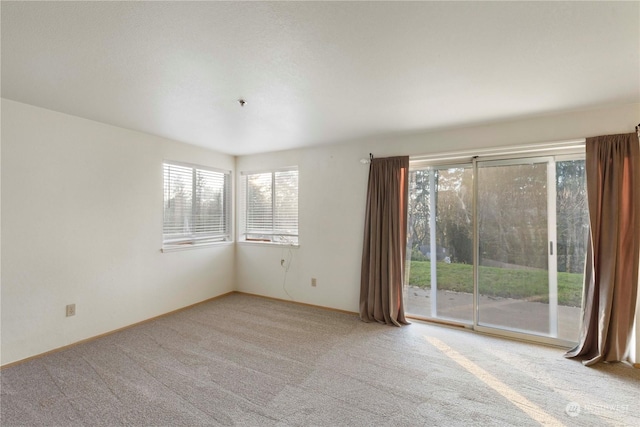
[
  {"x": 297, "y": 302},
  {"x": 65, "y": 347}
]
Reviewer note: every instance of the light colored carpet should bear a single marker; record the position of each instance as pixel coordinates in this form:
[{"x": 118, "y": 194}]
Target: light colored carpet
[{"x": 249, "y": 361}]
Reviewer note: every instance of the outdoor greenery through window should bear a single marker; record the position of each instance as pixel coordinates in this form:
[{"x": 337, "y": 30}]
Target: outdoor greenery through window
[
  {"x": 197, "y": 205},
  {"x": 270, "y": 206}
]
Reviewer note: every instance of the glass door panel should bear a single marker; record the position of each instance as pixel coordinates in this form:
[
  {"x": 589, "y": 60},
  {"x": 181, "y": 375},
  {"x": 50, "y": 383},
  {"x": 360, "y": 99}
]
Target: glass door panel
[
  {"x": 515, "y": 283},
  {"x": 439, "y": 280},
  {"x": 572, "y": 236}
]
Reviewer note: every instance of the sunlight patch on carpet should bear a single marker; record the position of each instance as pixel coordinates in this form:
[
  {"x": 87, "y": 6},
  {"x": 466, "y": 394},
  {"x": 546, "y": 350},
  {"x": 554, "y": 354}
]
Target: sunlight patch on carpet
[{"x": 524, "y": 404}]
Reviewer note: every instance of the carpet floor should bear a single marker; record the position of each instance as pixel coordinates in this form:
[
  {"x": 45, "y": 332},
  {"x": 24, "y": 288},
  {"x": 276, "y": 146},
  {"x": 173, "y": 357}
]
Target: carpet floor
[{"x": 250, "y": 361}]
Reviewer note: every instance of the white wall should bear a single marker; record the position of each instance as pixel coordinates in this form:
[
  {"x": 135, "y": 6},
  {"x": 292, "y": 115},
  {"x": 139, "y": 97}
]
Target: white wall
[
  {"x": 82, "y": 223},
  {"x": 331, "y": 210},
  {"x": 333, "y": 191}
]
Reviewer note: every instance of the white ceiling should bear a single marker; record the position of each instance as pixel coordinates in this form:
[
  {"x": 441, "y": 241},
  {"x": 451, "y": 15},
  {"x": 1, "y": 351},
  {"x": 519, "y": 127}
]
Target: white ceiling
[{"x": 315, "y": 73}]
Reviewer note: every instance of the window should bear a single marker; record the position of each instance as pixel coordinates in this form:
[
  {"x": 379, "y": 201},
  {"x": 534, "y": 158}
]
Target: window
[
  {"x": 270, "y": 206},
  {"x": 197, "y": 205}
]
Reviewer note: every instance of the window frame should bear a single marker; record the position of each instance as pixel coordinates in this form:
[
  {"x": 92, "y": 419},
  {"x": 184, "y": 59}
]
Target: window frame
[
  {"x": 196, "y": 239},
  {"x": 273, "y": 236}
]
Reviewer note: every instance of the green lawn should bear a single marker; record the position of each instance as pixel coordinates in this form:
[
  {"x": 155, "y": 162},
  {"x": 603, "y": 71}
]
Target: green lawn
[{"x": 499, "y": 282}]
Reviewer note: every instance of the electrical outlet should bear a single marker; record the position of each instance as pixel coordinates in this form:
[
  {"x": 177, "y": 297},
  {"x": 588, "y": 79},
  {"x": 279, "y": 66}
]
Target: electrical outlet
[
  {"x": 314, "y": 282},
  {"x": 71, "y": 310}
]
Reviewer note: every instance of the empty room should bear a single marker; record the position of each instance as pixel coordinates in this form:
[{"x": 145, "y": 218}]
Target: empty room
[{"x": 319, "y": 213}]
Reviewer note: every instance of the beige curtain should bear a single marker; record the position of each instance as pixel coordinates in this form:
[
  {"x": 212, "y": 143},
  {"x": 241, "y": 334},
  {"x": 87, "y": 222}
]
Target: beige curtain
[
  {"x": 385, "y": 240},
  {"x": 611, "y": 270}
]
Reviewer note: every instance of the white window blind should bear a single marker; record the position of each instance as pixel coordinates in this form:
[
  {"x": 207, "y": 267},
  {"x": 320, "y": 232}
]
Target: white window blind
[
  {"x": 197, "y": 205},
  {"x": 270, "y": 206}
]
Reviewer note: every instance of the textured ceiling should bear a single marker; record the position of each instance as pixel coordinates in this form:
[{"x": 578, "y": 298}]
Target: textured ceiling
[{"x": 315, "y": 73}]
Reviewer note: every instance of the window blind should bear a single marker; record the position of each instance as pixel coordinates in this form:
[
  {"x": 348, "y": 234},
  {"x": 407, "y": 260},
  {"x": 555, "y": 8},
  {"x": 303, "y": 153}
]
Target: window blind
[
  {"x": 271, "y": 206},
  {"x": 197, "y": 205}
]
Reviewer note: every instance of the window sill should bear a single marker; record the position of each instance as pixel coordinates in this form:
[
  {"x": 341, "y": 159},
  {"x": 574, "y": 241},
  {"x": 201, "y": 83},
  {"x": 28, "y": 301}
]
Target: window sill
[
  {"x": 177, "y": 248},
  {"x": 272, "y": 244}
]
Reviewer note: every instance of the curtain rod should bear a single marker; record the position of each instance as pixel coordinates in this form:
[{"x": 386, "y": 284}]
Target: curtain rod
[
  {"x": 466, "y": 153},
  {"x": 367, "y": 161}
]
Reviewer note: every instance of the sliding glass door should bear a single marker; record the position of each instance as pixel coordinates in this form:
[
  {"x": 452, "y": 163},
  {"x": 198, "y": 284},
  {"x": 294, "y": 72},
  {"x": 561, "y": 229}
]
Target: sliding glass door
[
  {"x": 532, "y": 214},
  {"x": 523, "y": 274},
  {"x": 517, "y": 281},
  {"x": 440, "y": 243}
]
